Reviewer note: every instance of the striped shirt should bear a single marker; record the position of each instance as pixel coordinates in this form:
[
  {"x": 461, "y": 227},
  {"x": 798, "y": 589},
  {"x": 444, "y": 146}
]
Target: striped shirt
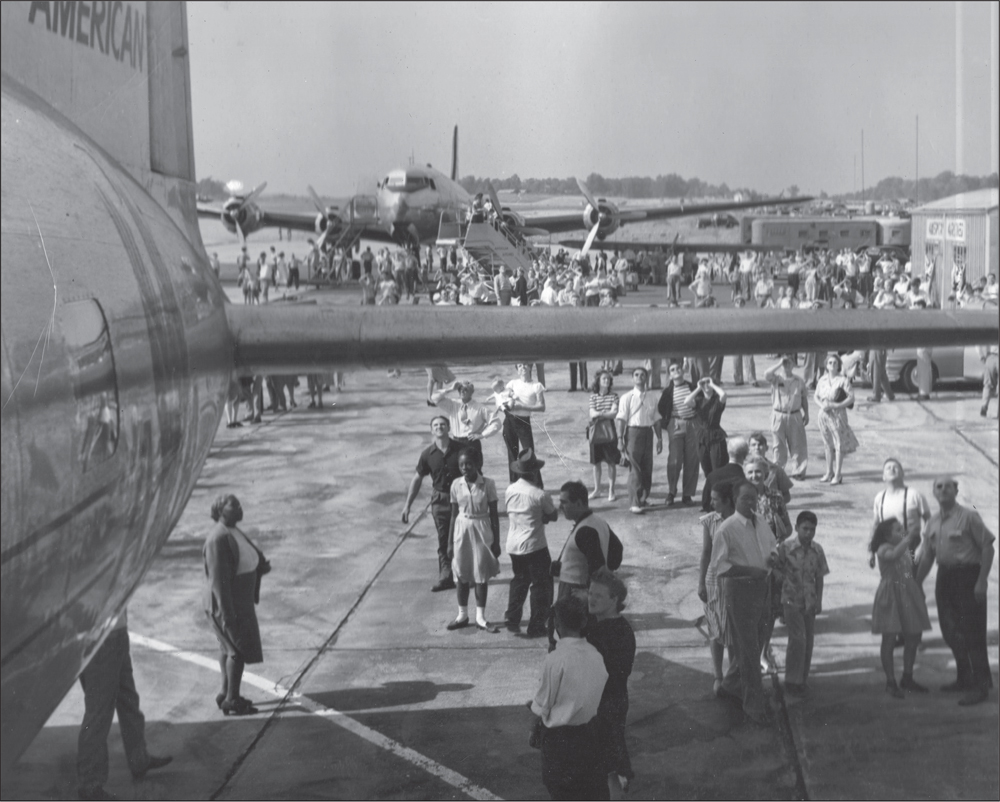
[{"x": 604, "y": 404}]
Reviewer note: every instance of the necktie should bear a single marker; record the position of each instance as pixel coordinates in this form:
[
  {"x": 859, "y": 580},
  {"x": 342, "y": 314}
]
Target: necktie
[{"x": 463, "y": 416}]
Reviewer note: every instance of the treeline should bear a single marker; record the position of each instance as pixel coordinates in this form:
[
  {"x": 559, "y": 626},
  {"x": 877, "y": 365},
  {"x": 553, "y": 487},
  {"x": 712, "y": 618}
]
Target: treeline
[
  {"x": 663, "y": 186},
  {"x": 942, "y": 185},
  {"x": 210, "y": 188}
]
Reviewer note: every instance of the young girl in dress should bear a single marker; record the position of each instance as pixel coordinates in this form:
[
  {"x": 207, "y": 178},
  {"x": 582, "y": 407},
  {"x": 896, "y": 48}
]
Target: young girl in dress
[
  {"x": 475, "y": 537},
  {"x": 899, "y": 603}
]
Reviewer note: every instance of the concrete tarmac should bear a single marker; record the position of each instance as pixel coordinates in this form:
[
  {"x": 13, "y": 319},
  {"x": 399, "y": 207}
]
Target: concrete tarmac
[{"x": 364, "y": 694}]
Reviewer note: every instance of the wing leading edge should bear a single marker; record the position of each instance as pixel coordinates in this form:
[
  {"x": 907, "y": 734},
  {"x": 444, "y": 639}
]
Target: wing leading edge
[{"x": 311, "y": 339}]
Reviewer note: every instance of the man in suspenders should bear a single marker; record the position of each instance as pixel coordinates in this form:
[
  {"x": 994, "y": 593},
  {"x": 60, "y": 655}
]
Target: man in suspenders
[{"x": 906, "y": 505}]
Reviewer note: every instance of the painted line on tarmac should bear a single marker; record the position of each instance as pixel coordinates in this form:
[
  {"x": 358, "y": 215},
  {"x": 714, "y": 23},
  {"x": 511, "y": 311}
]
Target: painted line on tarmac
[{"x": 453, "y": 778}]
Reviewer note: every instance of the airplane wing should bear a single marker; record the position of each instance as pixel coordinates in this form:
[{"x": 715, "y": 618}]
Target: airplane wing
[
  {"x": 313, "y": 338},
  {"x": 207, "y": 210},
  {"x": 574, "y": 221},
  {"x": 676, "y": 247}
]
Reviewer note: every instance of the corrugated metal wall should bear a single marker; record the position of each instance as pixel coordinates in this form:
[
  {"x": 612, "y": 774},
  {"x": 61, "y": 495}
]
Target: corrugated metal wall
[{"x": 973, "y": 231}]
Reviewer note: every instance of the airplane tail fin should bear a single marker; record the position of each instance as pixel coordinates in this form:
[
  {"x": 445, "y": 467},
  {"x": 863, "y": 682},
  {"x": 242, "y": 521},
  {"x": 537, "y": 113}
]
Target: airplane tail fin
[
  {"x": 120, "y": 72},
  {"x": 454, "y": 155}
]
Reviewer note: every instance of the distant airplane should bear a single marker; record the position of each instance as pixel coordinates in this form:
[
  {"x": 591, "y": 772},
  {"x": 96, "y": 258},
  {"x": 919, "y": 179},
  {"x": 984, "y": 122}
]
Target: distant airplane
[
  {"x": 408, "y": 205},
  {"x": 119, "y": 345}
]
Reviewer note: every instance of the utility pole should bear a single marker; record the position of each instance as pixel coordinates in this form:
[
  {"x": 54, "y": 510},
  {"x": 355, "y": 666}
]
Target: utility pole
[
  {"x": 959, "y": 94},
  {"x": 863, "y": 198},
  {"x": 916, "y": 191}
]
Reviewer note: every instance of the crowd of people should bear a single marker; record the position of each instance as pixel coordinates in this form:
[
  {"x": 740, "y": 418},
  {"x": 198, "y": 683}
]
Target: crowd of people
[{"x": 761, "y": 562}]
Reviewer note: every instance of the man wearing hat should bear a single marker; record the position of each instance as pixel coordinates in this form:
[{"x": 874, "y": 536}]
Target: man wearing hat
[{"x": 529, "y": 508}]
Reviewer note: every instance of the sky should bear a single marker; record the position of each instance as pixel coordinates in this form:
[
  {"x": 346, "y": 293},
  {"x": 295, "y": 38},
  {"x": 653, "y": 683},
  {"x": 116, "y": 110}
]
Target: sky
[{"x": 758, "y": 95}]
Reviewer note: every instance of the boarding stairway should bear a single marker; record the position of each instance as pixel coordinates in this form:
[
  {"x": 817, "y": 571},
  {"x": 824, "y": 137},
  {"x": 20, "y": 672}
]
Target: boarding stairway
[{"x": 490, "y": 243}]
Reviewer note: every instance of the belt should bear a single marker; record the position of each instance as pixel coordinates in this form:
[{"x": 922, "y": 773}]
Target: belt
[
  {"x": 787, "y": 411},
  {"x": 474, "y": 517},
  {"x": 639, "y": 427}
]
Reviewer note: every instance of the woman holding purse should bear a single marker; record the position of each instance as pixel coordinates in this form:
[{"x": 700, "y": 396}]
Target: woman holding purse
[{"x": 601, "y": 432}]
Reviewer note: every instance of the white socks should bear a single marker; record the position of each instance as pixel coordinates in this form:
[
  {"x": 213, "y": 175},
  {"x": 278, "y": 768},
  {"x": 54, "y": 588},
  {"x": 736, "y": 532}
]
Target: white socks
[
  {"x": 463, "y": 613},
  {"x": 481, "y": 616}
]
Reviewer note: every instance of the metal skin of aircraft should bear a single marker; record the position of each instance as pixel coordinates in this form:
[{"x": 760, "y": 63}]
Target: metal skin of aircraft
[{"x": 119, "y": 346}]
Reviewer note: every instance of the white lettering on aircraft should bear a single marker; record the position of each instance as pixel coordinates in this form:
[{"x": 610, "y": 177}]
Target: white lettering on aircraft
[{"x": 110, "y": 26}]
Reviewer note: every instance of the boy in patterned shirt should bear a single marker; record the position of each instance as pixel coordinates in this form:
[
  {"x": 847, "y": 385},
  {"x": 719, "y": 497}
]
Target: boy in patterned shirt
[{"x": 803, "y": 564}]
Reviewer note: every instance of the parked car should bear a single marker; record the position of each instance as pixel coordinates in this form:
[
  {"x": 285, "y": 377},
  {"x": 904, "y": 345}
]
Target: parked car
[
  {"x": 718, "y": 221},
  {"x": 950, "y": 363}
]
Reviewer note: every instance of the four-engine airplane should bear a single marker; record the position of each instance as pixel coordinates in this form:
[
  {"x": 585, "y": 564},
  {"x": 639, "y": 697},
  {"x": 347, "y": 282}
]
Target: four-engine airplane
[
  {"x": 408, "y": 205},
  {"x": 118, "y": 343}
]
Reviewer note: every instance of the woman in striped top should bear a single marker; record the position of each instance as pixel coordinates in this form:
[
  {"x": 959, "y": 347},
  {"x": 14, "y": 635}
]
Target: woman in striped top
[{"x": 603, "y": 406}]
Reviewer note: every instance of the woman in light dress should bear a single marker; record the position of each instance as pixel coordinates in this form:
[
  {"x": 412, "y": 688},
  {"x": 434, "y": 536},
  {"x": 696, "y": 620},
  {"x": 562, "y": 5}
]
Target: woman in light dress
[
  {"x": 475, "y": 537},
  {"x": 834, "y": 396}
]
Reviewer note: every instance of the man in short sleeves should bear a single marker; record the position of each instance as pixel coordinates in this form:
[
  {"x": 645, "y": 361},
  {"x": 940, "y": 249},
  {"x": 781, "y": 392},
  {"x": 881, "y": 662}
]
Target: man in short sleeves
[{"x": 963, "y": 546}]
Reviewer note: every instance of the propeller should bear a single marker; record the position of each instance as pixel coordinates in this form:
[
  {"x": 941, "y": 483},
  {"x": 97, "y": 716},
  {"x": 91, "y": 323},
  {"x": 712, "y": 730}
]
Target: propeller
[
  {"x": 325, "y": 211},
  {"x": 594, "y": 205},
  {"x": 235, "y": 188}
]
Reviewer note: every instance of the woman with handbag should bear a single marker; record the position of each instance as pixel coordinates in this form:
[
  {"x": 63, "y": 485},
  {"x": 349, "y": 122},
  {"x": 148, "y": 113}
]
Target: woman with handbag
[
  {"x": 233, "y": 568},
  {"x": 834, "y": 396},
  {"x": 601, "y": 432}
]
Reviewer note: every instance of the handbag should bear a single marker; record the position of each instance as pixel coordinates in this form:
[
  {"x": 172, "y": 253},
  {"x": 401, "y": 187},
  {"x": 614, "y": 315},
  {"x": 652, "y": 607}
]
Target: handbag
[
  {"x": 601, "y": 432},
  {"x": 840, "y": 396}
]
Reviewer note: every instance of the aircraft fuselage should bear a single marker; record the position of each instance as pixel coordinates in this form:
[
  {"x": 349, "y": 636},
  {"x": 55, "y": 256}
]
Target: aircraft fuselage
[{"x": 116, "y": 360}]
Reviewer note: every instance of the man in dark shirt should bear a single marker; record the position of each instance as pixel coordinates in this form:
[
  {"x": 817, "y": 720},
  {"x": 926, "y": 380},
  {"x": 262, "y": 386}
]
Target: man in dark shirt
[
  {"x": 730, "y": 472},
  {"x": 591, "y": 544},
  {"x": 440, "y": 461}
]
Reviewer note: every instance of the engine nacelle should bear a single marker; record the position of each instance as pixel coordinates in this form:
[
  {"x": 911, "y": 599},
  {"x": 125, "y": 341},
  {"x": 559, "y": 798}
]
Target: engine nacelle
[
  {"x": 247, "y": 215},
  {"x": 606, "y": 214},
  {"x": 511, "y": 218}
]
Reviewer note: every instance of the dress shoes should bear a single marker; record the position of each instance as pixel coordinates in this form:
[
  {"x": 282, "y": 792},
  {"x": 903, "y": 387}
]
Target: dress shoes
[
  {"x": 974, "y": 697},
  {"x": 909, "y": 684},
  {"x": 541, "y": 632},
  {"x": 444, "y": 584},
  {"x": 155, "y": 762},
  {"x": 458, "y": 623},
  {"x": 923, "y": 397},
  {"x": 488, "y": 627},
  {"x": 510, "y": 626},
  {"x": 955, "y": 687}
]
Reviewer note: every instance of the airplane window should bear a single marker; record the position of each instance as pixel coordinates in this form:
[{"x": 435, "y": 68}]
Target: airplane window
[
  {"x": 431, "y": 182},
  {"x": 95, "y": 384}
]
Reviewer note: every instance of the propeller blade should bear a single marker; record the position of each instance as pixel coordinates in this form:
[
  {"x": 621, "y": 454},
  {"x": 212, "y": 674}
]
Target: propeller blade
[
  {"x": 316, "y": 201},
  {"x": 587, "y": 194},
  {"x": 256, "y": 191},
  {"x": 239, "y": 232},
  {"x": 590, "y": 238}
]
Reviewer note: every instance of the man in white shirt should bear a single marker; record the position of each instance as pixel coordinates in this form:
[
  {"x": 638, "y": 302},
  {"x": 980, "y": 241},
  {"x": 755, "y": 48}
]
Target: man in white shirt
[
  {"x": 523, "y": 396},
  {"x": 573, "y": 679},
  {"x": 529, "y": 508},
  {"x": 637, "y": 421},
  {"x": 906, "y": 505},
  {"x": 470, "y": 421},
  {"x": 743, "y": 552}
]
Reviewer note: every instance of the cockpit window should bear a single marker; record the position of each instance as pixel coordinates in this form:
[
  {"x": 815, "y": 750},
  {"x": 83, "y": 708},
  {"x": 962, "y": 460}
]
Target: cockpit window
[
  {"x": 95, "y": 384},
  {"x": 408, "y": 183}
]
